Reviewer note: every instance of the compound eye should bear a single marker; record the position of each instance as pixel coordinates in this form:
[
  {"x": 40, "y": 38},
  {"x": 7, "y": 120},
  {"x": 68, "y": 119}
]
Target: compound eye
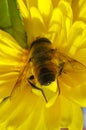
[{"x": 46, "y": 77}]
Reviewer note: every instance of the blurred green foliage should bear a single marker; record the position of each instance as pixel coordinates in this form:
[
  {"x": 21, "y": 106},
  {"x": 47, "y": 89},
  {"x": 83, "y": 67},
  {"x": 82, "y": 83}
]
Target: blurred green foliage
[{"x": 11, "y": 21}]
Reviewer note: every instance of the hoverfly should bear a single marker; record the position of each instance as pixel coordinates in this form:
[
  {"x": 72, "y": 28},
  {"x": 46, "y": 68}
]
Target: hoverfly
[
  {"x": 48, "y": 65},
  {"x": 44, "y": 69}
]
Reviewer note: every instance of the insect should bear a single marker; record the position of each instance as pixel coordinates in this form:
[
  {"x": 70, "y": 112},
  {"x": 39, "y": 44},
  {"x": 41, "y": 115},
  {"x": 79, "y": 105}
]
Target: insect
[
  {"x": 48, "y": 65},
  {"x": 41, "y": 58},
  {"x": 45, "y": 67}
]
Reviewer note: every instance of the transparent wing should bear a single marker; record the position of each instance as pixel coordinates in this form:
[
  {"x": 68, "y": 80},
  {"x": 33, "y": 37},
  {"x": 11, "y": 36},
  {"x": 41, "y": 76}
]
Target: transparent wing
[
  {"x": 11, "y": 81},
  {"x": 12, "y": 56},
  {"x": 73, "y": 72},
  {"x": 22, "y": 82},
  {"x": 12, "y": 61}
]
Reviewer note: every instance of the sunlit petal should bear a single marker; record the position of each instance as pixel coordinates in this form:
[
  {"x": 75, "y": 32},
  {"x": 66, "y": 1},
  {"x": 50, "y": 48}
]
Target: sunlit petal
[
  {"x": 67, "y": 14},
  {"x": 31, "y": 3},
  {"x": 77, "y": 38},
  {"x": 60, "y": 24},
  {"x": 36, "y": 24},
  {"x": 26, "y": 17},
  {"x": 55, "y": 25},
  {"x": 79, "y": 10},
  {"x": 81, "y": 55},
  {"x": 11, "y": 63},
  {"x": 82, "y": 13},
  {"x": 55, "y": 3},
  {"x": 66, "y": 112},
  {"x": 45, "y": 9},
  {"x": 24, "y": 10},
  {"x": 77, "y": 121},
  {"x": 75, "y": 94}
]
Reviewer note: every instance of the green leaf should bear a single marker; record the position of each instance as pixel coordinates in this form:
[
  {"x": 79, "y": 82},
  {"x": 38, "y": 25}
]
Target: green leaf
[{"x": 11, "y": 21}]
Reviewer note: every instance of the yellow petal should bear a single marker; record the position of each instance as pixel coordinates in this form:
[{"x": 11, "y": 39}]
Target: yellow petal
[
  {"x": 56, "y": 32},
  {"x": 82, "y": 14},
  {"x": 31, "y": 3},
  {"x": 76, "y": 37},
  {"x": 79, "y": 10},
  {"x": 71, "y": 115},
  {"x": 60, "y": 24},
  {"x": 3, "y": 109},
  {"x": 77, "y": 121},
  {"x": 66, "y": 9},
  {"x": 48, "y": 94},
  {"x": 80, "y": 55},
  {"x": 75, "y": 94},
  {"x": 7, "y": 82},
  {"x": 11, "y": 63},
  {"x": 36, "y": 27},
  {"x": 21, "y": 110},
  {"x": 69, "y": 1},
  {"x": 52, "y": 115},
  {"x": 66, "y": 112},
  {"x": 55, "y": 3},
  {"x": 55, "y": 25},
  {"x": 23, "y": 9},
  {"x": 9, "y": 48},
  {"x": 45, "y": 7},
  {"x": 26, "y": 108}
]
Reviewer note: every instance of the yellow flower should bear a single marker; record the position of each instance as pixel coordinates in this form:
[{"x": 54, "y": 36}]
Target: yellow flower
[{"x": 63, "y": 22}]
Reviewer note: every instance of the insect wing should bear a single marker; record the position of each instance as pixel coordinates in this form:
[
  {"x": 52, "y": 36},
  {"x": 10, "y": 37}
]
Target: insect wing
[
  {"x": 12, "y": 62},
  {"x": 73, "y": 73},
  {"x": 10, "y": 65}
]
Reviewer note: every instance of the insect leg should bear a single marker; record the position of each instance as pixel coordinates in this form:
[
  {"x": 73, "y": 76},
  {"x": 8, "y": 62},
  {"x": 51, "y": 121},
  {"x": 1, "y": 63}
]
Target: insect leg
[
  {"x": 4, "y": 99},
  {"x": 39, "y": 90},
  {"x": 58, "y": 86}
]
